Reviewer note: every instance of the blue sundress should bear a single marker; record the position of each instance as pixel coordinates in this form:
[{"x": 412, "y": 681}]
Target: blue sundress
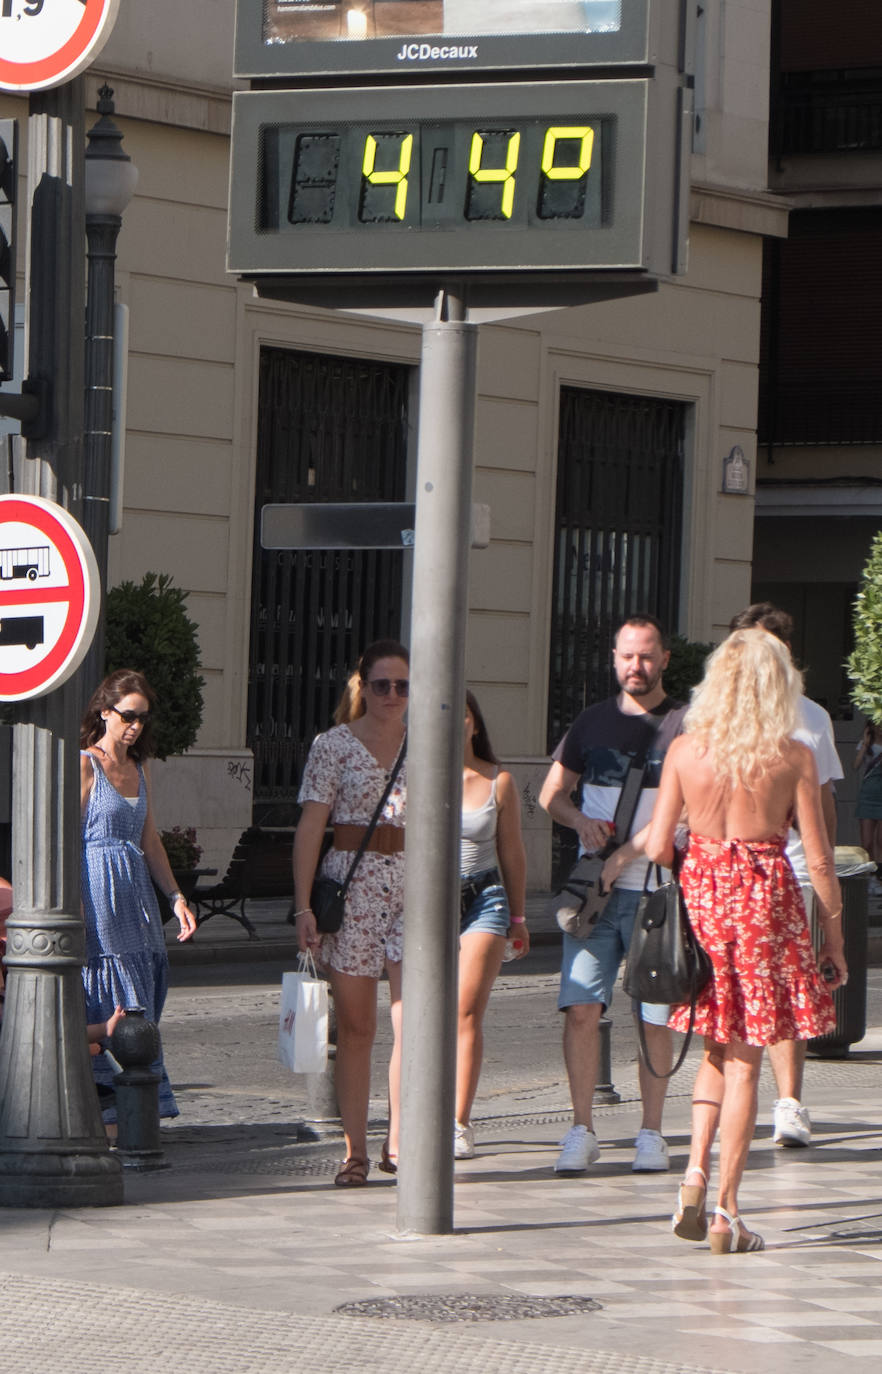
[{"x": 126, "y": 960}]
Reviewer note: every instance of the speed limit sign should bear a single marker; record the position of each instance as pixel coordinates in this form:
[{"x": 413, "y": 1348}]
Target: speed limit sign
[{"x": 47, "y": 42}]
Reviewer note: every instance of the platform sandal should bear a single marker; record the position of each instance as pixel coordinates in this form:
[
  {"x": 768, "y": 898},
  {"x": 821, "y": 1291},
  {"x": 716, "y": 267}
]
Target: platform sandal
[
  {"x": 388, "y": 1163},
  {"x": 689, "y": 1222},
  {"x": 737, "y": 1240}
]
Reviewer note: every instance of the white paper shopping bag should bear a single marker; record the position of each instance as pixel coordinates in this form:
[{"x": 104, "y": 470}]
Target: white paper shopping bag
[{"x": 303, "y": 1019}]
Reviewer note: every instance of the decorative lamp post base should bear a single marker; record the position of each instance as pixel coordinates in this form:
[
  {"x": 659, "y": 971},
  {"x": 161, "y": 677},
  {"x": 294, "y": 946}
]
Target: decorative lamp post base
[{"x": 53, "y": 1147}]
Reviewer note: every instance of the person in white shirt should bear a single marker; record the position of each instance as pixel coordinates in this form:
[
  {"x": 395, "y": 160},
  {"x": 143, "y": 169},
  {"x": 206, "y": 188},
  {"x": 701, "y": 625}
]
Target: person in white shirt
[{"x": 792, "y": 1124}]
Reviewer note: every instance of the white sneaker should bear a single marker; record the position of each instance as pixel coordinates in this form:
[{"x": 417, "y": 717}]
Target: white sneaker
[
  {"x": 463, "y": 1141},
  {"x": 651, "y": 1153},
  {"x": 793, "y": 1125},
  {"x": 579, "y": 1149}
]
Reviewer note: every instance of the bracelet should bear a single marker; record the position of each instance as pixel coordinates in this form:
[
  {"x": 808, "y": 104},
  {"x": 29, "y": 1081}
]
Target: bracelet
[
  {"x": 304, "y": 910},
  {"x": 518, "y": 921},
  {"x": 175, "y": 897}
]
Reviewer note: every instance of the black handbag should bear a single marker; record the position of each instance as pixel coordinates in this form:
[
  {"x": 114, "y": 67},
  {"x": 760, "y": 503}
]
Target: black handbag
[
  {"x": 666, "y": 963},
  {"x": 327, "y": 899}
]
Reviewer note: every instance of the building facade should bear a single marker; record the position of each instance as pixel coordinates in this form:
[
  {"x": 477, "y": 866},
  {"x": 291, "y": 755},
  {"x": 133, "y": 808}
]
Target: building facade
[{"x": 615, "y": 442}]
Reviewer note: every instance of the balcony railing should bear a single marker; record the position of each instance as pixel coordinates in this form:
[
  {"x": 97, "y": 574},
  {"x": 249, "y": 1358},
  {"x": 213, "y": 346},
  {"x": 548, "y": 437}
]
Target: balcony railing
[
  {"x": 827, "y": 122},
  {"x": 822, "y": 414}
]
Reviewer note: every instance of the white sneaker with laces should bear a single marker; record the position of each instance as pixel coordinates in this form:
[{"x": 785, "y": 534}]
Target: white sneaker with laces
[
  {"x": 579, "y": 1148},
  {"x": 463, "y": 1141},
  {"x": 651, "y": 1153},
  {"x": 793, "y": 1126}
]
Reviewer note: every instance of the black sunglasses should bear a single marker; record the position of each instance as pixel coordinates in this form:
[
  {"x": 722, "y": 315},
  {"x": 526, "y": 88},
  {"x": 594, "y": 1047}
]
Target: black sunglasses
[
  {"x": 132, "y": 717},
  {"x": 382, "y": 686}
]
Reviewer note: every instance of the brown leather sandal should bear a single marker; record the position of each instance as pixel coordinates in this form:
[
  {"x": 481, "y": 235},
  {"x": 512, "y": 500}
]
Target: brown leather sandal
[{"x": 353, "y": 1173}]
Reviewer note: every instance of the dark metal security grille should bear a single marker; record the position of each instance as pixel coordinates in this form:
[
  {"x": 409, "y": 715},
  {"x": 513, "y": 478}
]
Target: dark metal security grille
[
  {"x": 329, "y": 429},
  {"x": 618, "y": 534}
]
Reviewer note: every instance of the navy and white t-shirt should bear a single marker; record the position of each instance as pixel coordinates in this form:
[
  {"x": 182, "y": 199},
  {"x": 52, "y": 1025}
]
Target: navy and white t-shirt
[{"x": 601, "y": 745}]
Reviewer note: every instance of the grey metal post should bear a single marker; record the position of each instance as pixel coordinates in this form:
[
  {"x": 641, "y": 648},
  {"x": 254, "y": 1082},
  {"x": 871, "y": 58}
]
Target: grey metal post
[
  {"x": 53, "y": 1150},
  {"x": 434, "y": 768}
]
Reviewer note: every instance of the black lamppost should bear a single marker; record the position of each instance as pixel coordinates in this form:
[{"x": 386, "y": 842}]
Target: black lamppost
[
  {"x": 111, "y": 178},
  {"x": 53, "y": 1149}
]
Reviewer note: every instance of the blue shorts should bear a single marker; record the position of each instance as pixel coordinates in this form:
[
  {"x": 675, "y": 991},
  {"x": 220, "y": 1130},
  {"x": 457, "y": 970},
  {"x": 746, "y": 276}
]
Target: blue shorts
[
  {"x": 488, "y": 911},
  {"x": 590, "y": 967}
]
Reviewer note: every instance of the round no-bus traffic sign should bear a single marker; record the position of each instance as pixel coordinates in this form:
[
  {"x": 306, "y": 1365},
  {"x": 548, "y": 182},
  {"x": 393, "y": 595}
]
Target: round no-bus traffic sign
[
  {"x": 49, "y": 596},
  {"x": 47, "y": 42}
]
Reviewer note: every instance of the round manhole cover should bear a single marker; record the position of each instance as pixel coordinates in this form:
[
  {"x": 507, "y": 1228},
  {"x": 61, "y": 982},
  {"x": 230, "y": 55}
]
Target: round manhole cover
[{"x": 465, "y": 1307}]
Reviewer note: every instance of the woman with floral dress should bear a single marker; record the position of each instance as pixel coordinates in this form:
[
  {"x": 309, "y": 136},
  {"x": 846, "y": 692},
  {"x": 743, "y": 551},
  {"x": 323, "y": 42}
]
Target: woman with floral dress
[
  {"x": 343, "y": 780},
  {"x": 742, "y": 778}
]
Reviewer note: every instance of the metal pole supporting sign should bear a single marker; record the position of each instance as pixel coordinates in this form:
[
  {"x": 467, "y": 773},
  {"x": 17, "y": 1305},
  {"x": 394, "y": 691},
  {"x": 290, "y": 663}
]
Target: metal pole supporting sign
[{"x": 434, "y": 767}]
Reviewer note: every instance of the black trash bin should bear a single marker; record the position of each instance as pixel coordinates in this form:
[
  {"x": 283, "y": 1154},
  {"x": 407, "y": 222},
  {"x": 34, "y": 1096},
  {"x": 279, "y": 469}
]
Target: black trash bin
[{"x": 851, "y": 1001}]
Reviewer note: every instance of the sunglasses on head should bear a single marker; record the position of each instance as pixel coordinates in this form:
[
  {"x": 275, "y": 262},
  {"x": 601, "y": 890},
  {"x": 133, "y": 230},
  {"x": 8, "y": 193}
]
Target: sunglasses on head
[
  {"x": 132, "y": 717},
  {"x": 382, "y": 686}
]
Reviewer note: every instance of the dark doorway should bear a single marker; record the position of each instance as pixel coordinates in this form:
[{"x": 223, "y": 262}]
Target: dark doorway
[
  {"x": 329, "y": 429},
  {"x": 618, "y": 532}
]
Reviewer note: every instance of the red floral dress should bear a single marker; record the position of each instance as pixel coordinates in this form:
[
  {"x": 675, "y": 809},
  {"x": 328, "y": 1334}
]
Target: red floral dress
[{"x": 746, "y": 908}]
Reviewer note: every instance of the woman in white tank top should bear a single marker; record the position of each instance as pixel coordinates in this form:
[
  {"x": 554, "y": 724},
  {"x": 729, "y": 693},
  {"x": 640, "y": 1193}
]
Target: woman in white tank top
[{"x": 494, "y": 881}]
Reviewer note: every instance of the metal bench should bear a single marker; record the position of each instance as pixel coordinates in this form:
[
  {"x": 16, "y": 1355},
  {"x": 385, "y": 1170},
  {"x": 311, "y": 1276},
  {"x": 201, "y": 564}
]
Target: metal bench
[{"x": 260, "y": 867}]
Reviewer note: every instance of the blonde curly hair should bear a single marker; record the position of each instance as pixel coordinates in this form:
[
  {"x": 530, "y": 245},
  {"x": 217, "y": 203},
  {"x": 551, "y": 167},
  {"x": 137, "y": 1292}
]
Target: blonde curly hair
[{"x": 746, "y": 707}]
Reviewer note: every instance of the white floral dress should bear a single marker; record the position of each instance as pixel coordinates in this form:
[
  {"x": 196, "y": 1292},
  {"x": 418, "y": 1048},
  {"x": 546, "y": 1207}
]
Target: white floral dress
[{"x": 343, "y": 774}]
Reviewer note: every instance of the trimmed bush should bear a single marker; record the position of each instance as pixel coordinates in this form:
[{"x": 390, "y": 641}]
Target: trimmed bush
[
  {"x": 147, "y": 628},
  {"x": 864, "y": 666}
]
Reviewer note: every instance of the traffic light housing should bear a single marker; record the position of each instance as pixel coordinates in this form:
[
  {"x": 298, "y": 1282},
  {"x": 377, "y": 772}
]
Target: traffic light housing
[{"x": 8, "y": 174}]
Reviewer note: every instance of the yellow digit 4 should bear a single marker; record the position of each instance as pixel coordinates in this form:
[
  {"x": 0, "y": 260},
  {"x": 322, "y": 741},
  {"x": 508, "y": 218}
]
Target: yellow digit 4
[
  {"x": 573, "y": 171},
  {"x": 505, "y": 175},
  {"x": 397, "y": 176}
]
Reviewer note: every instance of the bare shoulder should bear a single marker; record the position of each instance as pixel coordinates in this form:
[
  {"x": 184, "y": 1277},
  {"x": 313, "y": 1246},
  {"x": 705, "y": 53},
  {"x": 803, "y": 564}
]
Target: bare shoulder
[
  {"x": 506, "y": 787},
  {"x": 681, "y": 748},
  {"x": 800, "y": 758}
]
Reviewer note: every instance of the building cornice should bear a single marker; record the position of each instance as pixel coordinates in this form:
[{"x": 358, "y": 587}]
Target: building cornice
[
  {"x": 748, "y": 212},
  {"x": 163, "y": 101}
]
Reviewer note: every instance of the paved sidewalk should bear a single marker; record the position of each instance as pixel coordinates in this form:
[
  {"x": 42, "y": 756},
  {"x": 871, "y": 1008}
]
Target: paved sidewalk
[{"x": 242, "y": 1256}]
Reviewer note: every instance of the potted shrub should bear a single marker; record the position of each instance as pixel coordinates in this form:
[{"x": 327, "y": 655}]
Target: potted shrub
[
  {"x": 183, "y": 856},
  {"x": 148, "y": 629},
  {"x": 864, "y": 666}
]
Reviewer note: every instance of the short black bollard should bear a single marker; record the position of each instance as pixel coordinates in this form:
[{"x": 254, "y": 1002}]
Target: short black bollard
[
  {"x": 135, "y": 1046},
  {"x": 604, "y": 1092}
]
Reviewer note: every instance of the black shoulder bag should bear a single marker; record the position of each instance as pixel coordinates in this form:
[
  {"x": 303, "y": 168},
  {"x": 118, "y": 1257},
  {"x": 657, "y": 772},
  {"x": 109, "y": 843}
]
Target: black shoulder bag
[
  {"x": 665, "y": 961},
  {"x": 328, "y": 896},
  {"x": 577, "y": 905}
]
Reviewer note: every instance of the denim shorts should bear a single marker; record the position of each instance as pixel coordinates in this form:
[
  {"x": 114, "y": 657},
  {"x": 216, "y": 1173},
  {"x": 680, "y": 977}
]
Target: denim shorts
[
  {"x": 590, "y": 967},
  {"x": 487, "y": 912}
]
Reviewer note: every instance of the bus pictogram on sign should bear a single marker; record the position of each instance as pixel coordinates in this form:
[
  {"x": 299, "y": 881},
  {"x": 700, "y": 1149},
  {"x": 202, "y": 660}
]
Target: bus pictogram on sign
[{"x": 49, "y": 596}]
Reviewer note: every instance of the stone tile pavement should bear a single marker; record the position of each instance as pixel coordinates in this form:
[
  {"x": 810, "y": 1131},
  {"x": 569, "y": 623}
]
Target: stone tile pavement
[{"x": 241, "y": 1256}]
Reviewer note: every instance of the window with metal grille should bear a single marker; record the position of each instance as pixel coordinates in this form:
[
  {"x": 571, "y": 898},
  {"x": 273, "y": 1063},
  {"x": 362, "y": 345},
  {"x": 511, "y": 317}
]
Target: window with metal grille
[
  {"x": 618, "y": 532},
  {"x": 329, "y": 429},
  {"x": 618, "y": 535}
]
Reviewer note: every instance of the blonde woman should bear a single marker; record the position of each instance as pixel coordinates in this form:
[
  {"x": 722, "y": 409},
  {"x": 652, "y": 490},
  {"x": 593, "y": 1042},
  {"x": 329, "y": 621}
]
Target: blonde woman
[
  {"x": 345, "y": 774},
  {"x": 741, "y": 778}
]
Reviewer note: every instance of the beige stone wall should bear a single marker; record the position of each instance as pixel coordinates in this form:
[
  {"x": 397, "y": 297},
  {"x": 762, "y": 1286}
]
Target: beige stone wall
[{"x": 195, "y": 340}]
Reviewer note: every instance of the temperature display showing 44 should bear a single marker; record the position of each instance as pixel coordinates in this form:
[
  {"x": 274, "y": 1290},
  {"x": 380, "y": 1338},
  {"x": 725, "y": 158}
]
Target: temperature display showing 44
[
  {"x": 425, "y": 178},
  {"x": 433, "y": 176}
]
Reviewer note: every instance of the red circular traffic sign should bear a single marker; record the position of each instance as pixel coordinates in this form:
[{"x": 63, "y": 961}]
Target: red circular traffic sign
[
  {"x": 45, "y": 44},
  {"x": 49, "y": 596}
]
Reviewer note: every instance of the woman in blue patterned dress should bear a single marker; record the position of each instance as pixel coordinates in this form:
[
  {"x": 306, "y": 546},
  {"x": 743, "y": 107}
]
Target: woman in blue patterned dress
[{"x": 126, "y": 961}]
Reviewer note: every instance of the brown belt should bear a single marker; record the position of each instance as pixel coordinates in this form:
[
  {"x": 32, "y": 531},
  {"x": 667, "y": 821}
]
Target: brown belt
[{"x": 386, "y": 839}]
